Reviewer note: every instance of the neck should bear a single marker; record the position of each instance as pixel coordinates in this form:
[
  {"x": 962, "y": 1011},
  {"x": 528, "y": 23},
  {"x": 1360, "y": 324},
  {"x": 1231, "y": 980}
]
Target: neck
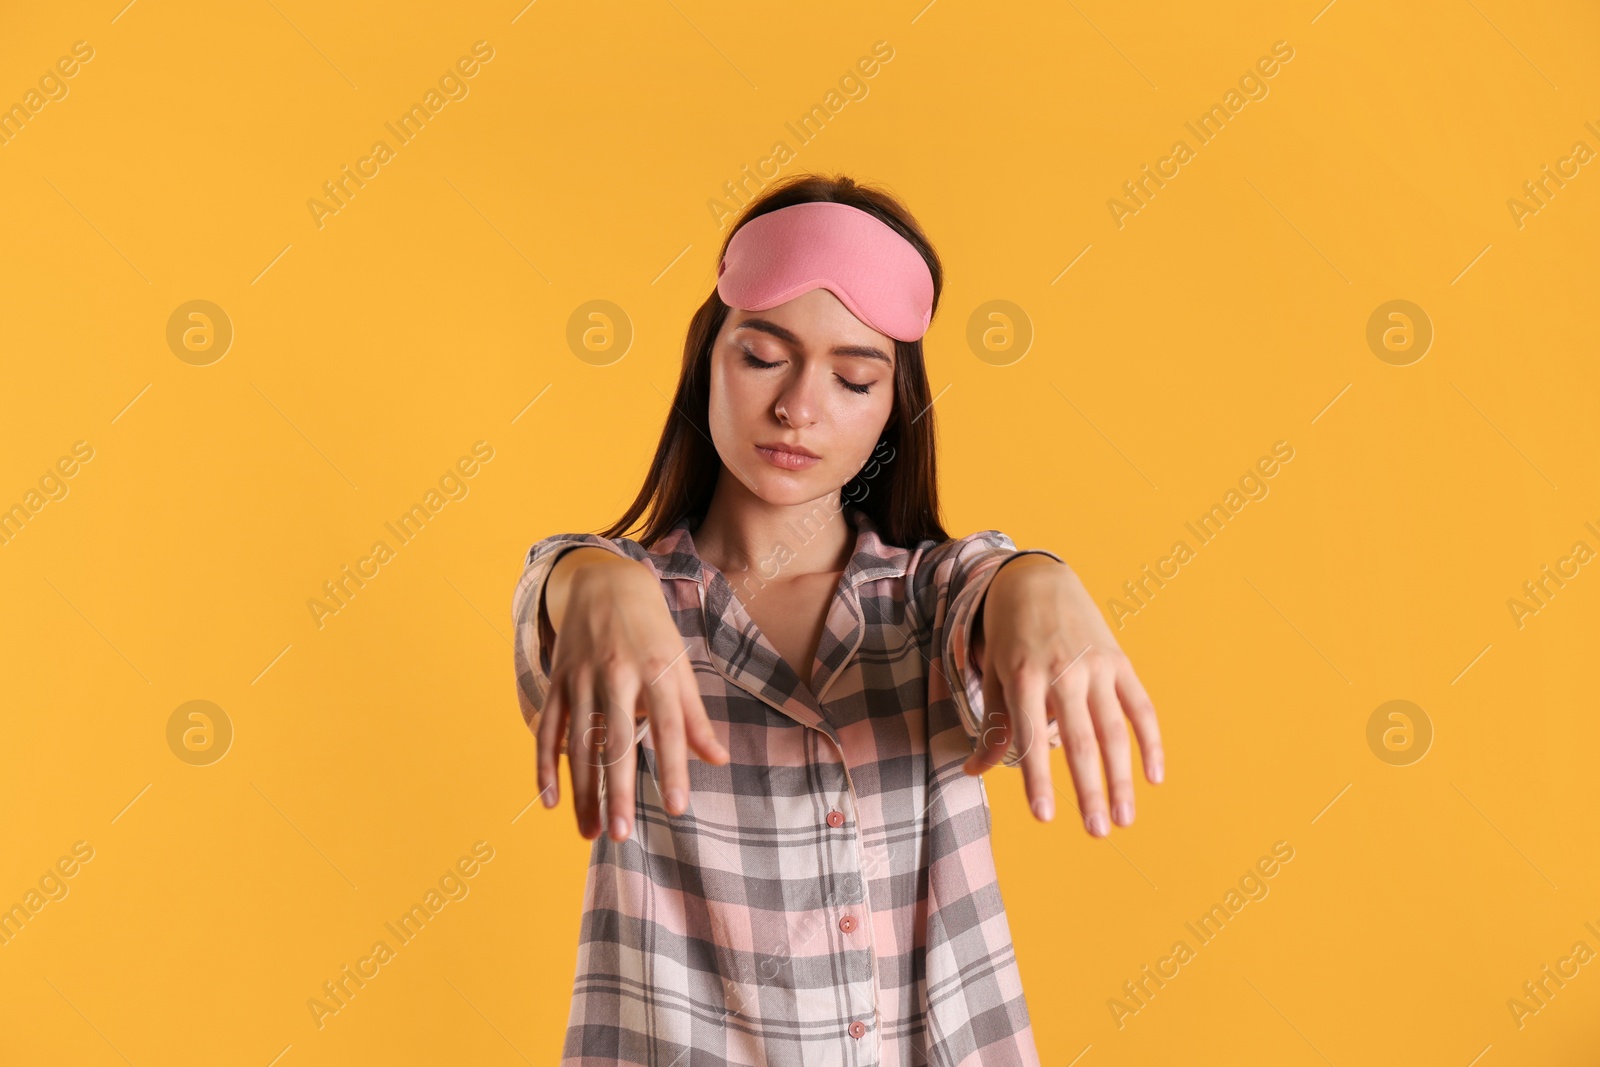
[{"x": 741, "y": 532}]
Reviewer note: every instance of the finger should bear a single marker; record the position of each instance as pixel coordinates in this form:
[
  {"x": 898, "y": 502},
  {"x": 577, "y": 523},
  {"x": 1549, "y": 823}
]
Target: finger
[
  {"x": 1113, "y": 736},
  {"x": 619, "y": 698},
  {"x": 994, "y": 727},
  {"x": 1025, "y": 696},
  {"x": 583, "y": 764},
  {"x": 701, "y": 735},
  {"x": 547, "y": 742},
  {"x": 1142, "y": 713},
  {"x": 664, "y": 705},
  {"x": 1083, "y": 752}
]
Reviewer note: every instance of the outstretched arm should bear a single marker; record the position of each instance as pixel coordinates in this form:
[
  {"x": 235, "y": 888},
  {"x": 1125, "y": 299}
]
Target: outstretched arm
[
  {"x": 596, "y": 645},
  {"x": 1046, "y": 653}
]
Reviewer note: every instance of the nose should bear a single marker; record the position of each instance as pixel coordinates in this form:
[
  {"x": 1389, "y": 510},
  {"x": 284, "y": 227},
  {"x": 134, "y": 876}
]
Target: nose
[{"x": 796, "y": 404}]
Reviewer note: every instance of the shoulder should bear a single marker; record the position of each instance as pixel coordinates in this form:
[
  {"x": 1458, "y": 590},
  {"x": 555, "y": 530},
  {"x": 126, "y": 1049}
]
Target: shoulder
[{"x": 936, "y": 571}]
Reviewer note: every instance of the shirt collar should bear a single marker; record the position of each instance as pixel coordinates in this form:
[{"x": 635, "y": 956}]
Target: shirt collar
[
  {"x": 870, "y": 560},
  {"x": 742, "y": 654}
]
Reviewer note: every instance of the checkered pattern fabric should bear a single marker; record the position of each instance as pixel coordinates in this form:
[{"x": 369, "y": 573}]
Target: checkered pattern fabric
[{"x": 830, "y": 895}]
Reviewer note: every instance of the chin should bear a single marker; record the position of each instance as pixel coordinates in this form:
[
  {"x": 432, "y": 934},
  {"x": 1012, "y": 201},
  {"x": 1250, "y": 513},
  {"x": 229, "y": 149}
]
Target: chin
[
  {"x": 788, "y": 495},
  {"x": 780, "y": 491}
]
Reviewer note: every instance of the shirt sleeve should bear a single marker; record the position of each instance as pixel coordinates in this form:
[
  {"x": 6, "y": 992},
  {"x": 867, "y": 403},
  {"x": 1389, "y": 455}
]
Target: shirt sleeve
[
  {"x": 949, "y": 581},
  {"x": 533, "y": 638}
]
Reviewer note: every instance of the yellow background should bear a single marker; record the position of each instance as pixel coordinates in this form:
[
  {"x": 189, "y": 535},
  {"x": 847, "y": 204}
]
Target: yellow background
[{"x": 369, "y": 354}]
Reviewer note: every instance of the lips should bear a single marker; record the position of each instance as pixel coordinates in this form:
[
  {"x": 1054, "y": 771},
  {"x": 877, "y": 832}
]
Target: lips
[
  {"x": 779, "y": 446},
  {"x": 788, "y": 457}
]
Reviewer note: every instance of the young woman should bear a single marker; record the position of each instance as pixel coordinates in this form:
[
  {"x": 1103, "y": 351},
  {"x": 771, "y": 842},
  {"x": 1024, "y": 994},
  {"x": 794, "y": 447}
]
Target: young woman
[{"x": 818, "y": 886}]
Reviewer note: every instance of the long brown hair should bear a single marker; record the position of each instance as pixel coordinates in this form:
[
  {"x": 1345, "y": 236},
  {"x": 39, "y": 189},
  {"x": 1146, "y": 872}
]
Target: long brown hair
[{"x": 898, "y": 488}]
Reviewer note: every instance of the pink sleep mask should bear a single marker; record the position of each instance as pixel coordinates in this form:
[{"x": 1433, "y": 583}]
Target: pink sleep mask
[{"x": 856, "y": 256}]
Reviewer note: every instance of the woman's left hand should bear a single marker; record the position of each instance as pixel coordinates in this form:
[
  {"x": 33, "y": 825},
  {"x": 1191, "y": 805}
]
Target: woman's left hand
[{"x": 1046, "y": 654}]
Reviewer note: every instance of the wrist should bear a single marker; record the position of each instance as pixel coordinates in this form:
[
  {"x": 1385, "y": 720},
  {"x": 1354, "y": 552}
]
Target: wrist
[
  {"x": 599, "y": 569},
  {"x": 594, "y": 571},
  {"x": 1027, "y": 567}
]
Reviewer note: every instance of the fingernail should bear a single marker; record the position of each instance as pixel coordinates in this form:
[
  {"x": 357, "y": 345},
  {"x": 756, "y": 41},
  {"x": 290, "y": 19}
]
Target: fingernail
[
  {"x": 1157, "y": 771},
  {"x": 675, "y": 801},
  {"x": 1122, "y": 813},
  {"x": 1097, "y": 824},
  {"x": 1044, "y": 809},
  {"x": 619, "y": 827},
  {"x": 548, "y": 798}
]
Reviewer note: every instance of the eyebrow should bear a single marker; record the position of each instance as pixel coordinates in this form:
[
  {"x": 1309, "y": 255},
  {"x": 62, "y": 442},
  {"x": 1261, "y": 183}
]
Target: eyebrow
[{"x": 769, "y": 327}]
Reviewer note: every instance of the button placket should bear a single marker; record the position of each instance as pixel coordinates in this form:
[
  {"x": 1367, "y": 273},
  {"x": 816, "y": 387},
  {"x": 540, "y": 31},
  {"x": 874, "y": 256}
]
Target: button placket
[{"x": 849, "y": 923}]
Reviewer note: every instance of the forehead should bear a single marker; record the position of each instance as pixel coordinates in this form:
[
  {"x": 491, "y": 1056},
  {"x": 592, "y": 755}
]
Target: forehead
[{"x": 815, "y": 320}]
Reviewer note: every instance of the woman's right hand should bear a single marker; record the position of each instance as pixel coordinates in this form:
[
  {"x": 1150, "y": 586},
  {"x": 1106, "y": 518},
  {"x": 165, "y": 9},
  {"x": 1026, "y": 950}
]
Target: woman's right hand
[{"x": 618, "y": 656}]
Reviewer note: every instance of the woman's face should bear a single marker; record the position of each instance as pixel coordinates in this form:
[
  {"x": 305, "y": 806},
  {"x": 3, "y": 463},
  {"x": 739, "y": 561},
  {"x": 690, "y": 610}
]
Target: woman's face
[{"x": 805, "y": 375}]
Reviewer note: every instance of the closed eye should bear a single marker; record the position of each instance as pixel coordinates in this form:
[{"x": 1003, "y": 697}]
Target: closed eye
[{"x": 760, "y": 364}]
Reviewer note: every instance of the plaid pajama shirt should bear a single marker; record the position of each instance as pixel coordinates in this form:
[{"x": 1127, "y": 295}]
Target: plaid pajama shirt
[{"x": 829, "y": 897}]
